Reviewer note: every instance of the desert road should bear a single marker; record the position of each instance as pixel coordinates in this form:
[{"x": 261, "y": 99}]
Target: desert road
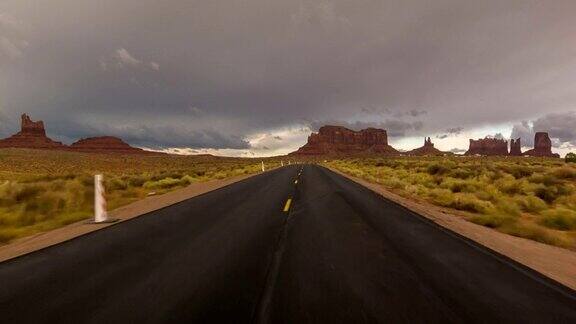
[{"x": 334, "y": 253}]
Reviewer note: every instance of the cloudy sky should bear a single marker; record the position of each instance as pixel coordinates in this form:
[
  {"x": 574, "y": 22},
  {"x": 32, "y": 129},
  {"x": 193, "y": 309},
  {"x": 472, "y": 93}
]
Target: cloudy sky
[{"x": 255, "y": 77}]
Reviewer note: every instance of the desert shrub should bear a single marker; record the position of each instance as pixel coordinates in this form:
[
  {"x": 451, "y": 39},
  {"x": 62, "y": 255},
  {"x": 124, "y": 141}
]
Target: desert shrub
[
  {"x": 442, "y": 197},
  {"x": 27, "y": 192},
  {"x": 493, "y": 220},
  {"x": 187, "y": 180},
  {"x": 547, "y": 193},
  {"x": 116, "y": 184},
  {"x": 463, "y": 173},
  {"x": 519, "y": 171},
  {"x": 565, "y": 173},
  {"x": 220, "y": 175},
  {"x": 417, "y": 190},
  {"x": 393, "y": 183},
  {"x": 570, "y": 158},
  {"x": 469, "y": 202},
  {"x": 559, "y": 218},
  {"x": 508, "y": 206},
  {"x": 569, "y": 201},
  {"x": 137, "y": 180},
  {"x": 535, "y": 233},
  {"x": 509, "y": 185},
  {"x": 162, "y": 184},
  {"x": 437, "y": 169},
  {"x": 544, "y": 179},
  {"x": 8, "y": 234},
  {"x": 488, "y": 192},
  {"x": 530, "y": 203}
]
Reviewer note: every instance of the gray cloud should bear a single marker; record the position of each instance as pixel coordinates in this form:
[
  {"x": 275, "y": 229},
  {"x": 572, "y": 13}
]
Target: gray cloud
[
  {"x": 524, "y": 132},
  {"x": 252, "y": 66},
  {"x": 454, "y": 131}
]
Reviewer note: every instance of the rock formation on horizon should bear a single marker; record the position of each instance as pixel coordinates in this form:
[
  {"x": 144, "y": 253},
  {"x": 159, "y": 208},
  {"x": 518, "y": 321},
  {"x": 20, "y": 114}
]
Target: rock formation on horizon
[
  {"x": 427, "y": 150},
  {"x": 338, "y": 140},
  {"x": 105, "y": 144},
  {"x": 488, "y": 146},
  {"x": 499, "y": 147},
  {"x": 31, "y": 135},
  {"x": 542, "y": 146},
  {"x": 515, "y": 147}
]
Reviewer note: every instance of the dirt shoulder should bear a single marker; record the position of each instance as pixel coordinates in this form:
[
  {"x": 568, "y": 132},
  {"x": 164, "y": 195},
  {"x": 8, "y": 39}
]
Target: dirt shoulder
[
  {"x": 553, "y": 262},
  {"x": 39, "y": 241}
]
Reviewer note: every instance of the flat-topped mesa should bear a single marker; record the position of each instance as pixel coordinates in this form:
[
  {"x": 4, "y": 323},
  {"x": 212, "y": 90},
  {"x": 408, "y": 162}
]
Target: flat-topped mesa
[
  {"x": 515, "y": 147},
  {"x": 31, "y": 135},
  {"x": 340, "y": 140},
  {"x": 427, "y": 150},
  {"x": 488, "y": 146},
  {"x": 542, "y": 146},
  {"x": 105, "y": 144}
]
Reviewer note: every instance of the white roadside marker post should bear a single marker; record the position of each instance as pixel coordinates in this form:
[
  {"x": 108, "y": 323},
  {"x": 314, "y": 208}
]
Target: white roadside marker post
[
  {"x": 100, "y": 213},
  {"x": 288, "y": 162},
  {"x": 263, "y": 168},
  {"x": 281, "y": 163}
]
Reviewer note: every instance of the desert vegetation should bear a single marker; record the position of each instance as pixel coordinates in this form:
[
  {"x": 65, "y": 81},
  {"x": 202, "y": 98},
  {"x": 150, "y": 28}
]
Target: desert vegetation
[
  {"x": 532, "y": 198},
  {"x": 42, "y": 190}
]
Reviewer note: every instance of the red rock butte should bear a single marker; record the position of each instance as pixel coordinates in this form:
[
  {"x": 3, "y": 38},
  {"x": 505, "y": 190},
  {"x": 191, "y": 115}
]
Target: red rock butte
[
  {"x": 427, "y": 150},
  {"x": 33, "y": 135},
  {"x": 542, "y": 146},
  {"x": 338, "y": 140},
  {"x": 515, "y": 147}
]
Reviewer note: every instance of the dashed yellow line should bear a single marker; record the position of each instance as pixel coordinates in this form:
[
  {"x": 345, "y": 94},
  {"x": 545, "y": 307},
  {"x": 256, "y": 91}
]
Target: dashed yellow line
[
  {"x": 287, "y": 206},
  {"x": 296, "y": 181}
]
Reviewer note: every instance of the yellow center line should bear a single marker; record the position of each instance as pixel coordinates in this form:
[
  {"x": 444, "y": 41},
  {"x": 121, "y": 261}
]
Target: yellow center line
[
  {"x": 296, "y": 181},
  {"x": 287, "y": 206}
]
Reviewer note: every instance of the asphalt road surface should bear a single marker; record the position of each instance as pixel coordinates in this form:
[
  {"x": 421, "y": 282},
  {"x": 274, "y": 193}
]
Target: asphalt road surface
[{"x": 335, "y": 253}]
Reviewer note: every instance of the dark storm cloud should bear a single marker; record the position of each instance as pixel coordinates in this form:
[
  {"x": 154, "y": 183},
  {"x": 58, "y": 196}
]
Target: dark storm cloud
[
  {"x": 211, "y": 73},
  {"x": 454, "y": 131}
]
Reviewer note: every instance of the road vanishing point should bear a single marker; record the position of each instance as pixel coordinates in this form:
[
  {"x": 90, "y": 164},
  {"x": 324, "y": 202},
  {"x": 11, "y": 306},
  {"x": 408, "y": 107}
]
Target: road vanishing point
[{"x": 298, "y": 244}]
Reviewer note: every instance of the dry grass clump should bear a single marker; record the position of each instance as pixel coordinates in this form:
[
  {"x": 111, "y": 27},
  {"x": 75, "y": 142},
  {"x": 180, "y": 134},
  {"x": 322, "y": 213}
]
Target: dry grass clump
[
  {"x": 43, "y": 190},
  {"x": 527, "y": 197}
]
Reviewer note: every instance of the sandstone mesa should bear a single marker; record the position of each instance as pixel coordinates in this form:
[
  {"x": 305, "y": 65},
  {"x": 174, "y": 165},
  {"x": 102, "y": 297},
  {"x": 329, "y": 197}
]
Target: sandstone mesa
[{"x": 338, "y": 140}]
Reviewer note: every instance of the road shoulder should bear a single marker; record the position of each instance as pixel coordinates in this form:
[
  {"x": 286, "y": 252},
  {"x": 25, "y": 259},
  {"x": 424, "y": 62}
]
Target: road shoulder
[
  {"x": 43, "y": 240},
  {"x": 554, "y": 262}
]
